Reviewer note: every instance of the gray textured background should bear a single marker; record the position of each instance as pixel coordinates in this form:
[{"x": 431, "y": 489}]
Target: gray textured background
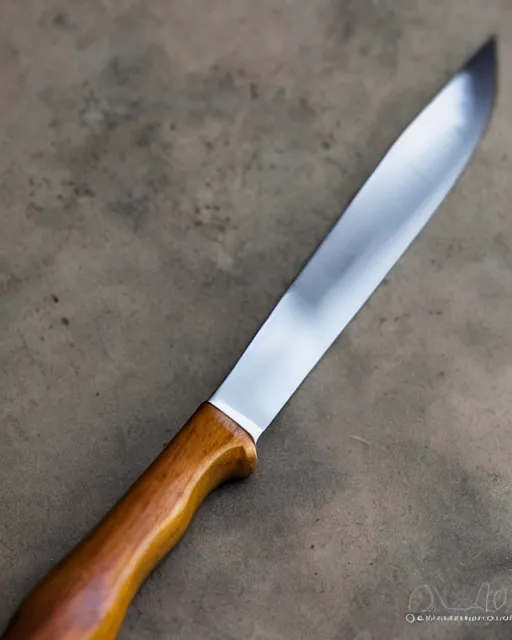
[{"x": 165, "y": 169}]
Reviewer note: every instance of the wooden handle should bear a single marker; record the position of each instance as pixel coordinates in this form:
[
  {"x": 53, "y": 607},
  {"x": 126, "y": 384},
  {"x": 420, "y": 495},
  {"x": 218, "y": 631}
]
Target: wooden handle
[{"x": 87, "y": 595}]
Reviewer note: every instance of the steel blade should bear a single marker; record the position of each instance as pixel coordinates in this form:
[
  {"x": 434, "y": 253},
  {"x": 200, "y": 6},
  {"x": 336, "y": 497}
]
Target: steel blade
[{"x": 383, "y": 219}]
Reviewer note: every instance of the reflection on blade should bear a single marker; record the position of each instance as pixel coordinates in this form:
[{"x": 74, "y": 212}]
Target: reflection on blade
[{"x": 383, "y": 219}]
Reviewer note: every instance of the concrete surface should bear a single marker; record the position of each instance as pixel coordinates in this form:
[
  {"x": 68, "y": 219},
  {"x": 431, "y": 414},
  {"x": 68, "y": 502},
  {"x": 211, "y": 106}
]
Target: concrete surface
[{"x": 166, "y": 168}]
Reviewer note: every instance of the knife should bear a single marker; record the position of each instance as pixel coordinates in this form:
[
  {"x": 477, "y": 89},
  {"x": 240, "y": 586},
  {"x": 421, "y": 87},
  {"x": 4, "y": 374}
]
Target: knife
[{"x": 87, "y": 595}]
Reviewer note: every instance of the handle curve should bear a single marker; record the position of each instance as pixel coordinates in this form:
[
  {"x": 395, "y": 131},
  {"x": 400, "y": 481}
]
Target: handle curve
[{"x": 87, "y": 595}]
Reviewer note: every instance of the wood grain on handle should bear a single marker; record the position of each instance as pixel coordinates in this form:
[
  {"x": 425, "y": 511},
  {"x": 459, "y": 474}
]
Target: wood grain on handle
[{"x": 87, "y": 595}]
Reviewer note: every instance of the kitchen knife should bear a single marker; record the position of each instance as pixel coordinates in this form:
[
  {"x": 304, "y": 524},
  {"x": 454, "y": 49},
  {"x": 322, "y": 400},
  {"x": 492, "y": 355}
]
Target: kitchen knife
[{"x": 87, "y": 595}]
